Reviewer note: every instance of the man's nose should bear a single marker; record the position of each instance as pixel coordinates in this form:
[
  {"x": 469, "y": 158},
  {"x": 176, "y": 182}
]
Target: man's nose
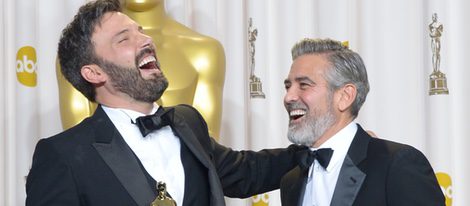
[
  {"x": 145, "y": 40},
  {"x": 291, "y": 95}
]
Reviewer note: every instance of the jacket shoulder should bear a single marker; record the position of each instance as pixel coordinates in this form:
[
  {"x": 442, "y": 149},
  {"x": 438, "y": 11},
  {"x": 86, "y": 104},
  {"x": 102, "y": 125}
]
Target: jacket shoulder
[
  {"x": 389, "y": 148},
  {"x": 193, "y": 118}
]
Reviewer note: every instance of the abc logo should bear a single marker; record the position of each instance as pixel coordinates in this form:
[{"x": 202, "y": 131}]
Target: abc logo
[
  {"x": 261, "y": 200},
  {"x": 446, "y": 186},
  {"x": 26, "y": 66}
]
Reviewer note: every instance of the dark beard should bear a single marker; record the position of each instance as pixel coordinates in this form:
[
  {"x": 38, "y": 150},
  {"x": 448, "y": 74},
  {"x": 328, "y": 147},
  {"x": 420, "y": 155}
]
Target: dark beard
[{"x": 130, "y": 82}]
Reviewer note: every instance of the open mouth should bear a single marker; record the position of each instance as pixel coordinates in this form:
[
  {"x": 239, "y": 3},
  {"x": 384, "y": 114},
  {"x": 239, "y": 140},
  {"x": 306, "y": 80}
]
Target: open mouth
[
  {"x": 296, "y": 114},
  {"x": 149, "y": 62}
]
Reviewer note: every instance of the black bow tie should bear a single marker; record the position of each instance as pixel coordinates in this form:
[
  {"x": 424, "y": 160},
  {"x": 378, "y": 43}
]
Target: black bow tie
[
  {"x": 305, "y": 158},
  {"x": 155, "y": 121}
]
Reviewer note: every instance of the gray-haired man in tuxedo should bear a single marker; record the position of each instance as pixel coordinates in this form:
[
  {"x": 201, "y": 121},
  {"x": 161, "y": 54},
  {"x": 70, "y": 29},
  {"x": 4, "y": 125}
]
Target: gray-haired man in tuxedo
[{"x": 325, "y": 89}]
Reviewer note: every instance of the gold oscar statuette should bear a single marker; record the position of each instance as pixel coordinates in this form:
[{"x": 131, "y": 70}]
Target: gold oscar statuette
[
  {"x": 437, "y": 79},
  {"x": 162, "y": 199}
]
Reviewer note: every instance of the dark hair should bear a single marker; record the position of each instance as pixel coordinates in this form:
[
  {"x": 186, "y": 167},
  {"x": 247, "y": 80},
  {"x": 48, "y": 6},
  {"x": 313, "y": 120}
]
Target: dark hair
[
  {"x": 347, "y": 67},
  {"x": 75, "y": 45}
]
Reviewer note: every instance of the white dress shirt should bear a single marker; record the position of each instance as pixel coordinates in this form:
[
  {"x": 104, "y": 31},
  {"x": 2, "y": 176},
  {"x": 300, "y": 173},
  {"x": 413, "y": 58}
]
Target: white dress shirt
[
  {"x": 321, "y": 183},
  {"x": 159, "y": 151}
]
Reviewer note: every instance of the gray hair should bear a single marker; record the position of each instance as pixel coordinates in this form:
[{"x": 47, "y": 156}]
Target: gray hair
[{"x": 347, "y": 67}]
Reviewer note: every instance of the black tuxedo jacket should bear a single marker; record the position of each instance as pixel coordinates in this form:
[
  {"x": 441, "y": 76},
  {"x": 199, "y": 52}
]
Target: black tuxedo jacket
[
  {"x": 375, "y": 172},
  {"x": 90, "y": 164}
]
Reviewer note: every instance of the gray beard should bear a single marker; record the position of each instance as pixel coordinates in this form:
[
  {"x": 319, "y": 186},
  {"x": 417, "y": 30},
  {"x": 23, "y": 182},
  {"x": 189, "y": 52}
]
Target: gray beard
[{"x": 309, "y": 131}]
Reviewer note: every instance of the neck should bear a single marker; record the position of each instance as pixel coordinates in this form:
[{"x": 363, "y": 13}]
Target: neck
[
  {"x": 125, "y": 103},
  {"x": 341, "y": 123}
]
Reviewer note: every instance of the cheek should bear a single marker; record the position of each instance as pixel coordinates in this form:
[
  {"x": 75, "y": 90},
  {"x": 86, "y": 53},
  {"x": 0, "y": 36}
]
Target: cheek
[
  {"x": 124, "y": 56},
  {"x": 309, "y": 99},
  {"x": 314, "y": 101},
  {"x": 127, "y": 60}
]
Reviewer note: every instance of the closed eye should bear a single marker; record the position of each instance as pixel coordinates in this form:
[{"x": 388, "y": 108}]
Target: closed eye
[
  {"x": 304, "y": 85},
  {"x": 123, "y": 40}
]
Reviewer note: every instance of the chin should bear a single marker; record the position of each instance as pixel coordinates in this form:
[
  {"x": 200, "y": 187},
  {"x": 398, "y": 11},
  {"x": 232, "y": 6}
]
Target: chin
[{"x": 301, "y": 137}]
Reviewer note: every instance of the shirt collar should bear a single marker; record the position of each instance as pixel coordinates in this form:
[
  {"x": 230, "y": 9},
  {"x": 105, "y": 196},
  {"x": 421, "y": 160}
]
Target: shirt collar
[{"x": 340, "y": 143}]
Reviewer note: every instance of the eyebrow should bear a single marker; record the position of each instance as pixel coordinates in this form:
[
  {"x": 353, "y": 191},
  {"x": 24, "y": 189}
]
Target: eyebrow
[
  {"x": 303, "y": 78},
  {"x": 140, "y": 28},
  {"x": 299, "y": 79},
  {"x": 286, "y": 81}
]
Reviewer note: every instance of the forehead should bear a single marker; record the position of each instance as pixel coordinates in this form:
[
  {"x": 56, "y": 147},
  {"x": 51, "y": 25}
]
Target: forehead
[
  {"x": 309, "y": 65},
  {"x": 112, "y": 23}
]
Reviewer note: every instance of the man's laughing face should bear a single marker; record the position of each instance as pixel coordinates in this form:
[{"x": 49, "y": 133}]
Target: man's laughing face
[
  {"x": 128, "y": 57},
  {"x": 308, "y": 100}
]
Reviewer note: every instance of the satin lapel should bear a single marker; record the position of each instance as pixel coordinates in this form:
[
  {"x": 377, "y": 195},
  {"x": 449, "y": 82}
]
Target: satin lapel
[
  {"x": 120, "y": 158},
  {"x": 189, "y": 138},
  {"x": 351, "y": 177},
  {"x": 348, "y": 185},
  {"x": 294, "y": 189}
]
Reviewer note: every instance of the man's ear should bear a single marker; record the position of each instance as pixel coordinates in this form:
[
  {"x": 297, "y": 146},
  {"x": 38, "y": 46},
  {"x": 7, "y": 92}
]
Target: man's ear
[
  {"x": 346, "y": 96},
  {"x": 93, "y": 74}
]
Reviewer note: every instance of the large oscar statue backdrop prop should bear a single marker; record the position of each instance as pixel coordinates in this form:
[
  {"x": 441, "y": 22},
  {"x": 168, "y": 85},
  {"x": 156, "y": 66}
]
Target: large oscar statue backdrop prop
[{"x": 193, "y": 63}]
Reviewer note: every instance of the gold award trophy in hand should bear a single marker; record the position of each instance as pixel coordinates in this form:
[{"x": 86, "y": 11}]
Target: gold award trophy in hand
[
  {"x": 194, "y": 65},
  {"x": 162, "y": 199}
]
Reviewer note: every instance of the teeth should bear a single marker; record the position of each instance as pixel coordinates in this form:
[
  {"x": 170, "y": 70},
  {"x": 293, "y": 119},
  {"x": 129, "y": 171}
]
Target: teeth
[
  {"x": 147, "y": 60},
  {"x": 297, "y": 112}
]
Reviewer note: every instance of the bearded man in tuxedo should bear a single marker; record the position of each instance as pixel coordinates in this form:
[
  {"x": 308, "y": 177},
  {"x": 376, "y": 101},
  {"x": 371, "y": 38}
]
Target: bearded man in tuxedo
[{"x": 325, "y": 88}]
